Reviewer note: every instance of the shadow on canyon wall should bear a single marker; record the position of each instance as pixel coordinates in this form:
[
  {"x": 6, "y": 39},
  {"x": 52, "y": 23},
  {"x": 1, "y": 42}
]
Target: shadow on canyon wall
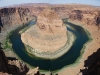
[
  {"x": 13, "y": 69},
  {"x": 0, "y": 24},
  {"x": 92, "y": 64},
  {"x": 7, "y": 68},
  {"x": 3, "y": 61}
]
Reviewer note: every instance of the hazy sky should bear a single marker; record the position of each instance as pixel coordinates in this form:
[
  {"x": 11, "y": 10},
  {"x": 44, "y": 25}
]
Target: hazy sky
[{"x": 12, "y": 2}]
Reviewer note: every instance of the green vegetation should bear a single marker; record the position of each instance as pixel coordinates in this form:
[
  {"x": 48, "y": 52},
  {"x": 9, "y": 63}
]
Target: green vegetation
[{"x": 7, "y": 43}]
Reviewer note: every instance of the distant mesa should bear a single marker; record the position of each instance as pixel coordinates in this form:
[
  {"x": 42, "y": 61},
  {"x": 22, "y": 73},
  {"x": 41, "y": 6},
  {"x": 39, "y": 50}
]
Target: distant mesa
[{"x": 49, "y": 33}]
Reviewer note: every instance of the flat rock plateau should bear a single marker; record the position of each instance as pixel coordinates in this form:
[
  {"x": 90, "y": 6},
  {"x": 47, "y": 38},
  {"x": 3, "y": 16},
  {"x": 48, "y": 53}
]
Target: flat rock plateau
[{"x": 49, "y": 33}]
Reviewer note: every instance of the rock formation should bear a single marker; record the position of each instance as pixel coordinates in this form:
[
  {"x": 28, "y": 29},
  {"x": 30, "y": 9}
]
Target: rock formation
[
  {"x": 15, "y": 16},
  {"x": 88, "y": 17},
  {"x": 12, "y": 66},
  {"x": 3, "y": 62},
  {"x": 18, "y": 67},
  {"x": 49, "y": 33}
]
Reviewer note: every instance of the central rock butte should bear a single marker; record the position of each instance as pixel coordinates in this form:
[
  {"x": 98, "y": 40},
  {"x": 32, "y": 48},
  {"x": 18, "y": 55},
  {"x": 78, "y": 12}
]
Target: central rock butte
[{"x": 48, "y": 35}]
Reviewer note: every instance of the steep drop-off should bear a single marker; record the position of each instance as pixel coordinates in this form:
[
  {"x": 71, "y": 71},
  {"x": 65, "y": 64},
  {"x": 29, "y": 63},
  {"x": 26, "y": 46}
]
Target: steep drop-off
[
  {"x": 15, "y": 16},
  {"x": 11, "y": 66}
]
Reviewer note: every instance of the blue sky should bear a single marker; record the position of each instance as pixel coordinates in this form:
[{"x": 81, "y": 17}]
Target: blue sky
[{"x": 12, "y": 2}]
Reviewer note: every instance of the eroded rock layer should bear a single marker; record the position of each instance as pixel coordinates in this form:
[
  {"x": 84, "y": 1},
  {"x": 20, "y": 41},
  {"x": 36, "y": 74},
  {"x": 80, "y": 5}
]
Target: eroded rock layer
[
  {"x": 49, "y": 33},
  {"x": 20, "y": 14}
]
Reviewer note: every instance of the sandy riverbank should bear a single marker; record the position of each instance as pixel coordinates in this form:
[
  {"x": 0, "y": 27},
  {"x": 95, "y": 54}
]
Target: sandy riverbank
[{"x": 90, "y": 48}]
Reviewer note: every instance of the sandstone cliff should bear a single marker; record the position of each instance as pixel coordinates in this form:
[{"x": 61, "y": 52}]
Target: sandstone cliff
[
  {"x": 49, "y": 33},
  {"x": 15, "y": 16},
  {"x": 3, "y": 62},
  {"x": 84, "y": 14},
  {"x": 11, "y": 66},
  {"x": 88, "y": 17},
  {"x": 20, "y": 14}
]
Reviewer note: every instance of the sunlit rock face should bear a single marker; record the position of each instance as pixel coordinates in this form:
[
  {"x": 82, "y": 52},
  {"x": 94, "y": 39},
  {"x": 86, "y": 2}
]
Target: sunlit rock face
[
  {"x": 15, "y": 16},
  {"x": 49, "y": 33}
]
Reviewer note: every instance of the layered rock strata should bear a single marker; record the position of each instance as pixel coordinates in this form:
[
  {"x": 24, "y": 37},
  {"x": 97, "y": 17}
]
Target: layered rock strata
[
  {"x": 11, "y": 66},
  {"x": 20, "y": 14},
  {"x": 49, "y": 33},
  {"x": 15, "y": 16}
]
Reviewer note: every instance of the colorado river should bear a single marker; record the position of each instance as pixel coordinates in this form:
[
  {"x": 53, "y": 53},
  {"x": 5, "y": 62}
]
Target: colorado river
[{"x": 46, "y": 64}]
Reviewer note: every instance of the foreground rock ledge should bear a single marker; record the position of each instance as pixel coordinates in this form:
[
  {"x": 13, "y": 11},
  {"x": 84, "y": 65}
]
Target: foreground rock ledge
[{"x": 49, "y": 33}]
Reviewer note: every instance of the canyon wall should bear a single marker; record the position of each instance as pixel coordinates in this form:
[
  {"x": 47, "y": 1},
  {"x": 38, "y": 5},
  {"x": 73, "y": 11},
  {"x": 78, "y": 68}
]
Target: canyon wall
[
  {"x": 11, "y": 66},
  {"x": 85, "y": 14},
  {"x": 20, "y": 14},
  {"x": 15, "y": 16},
  {"x": 88, "y": 17}
]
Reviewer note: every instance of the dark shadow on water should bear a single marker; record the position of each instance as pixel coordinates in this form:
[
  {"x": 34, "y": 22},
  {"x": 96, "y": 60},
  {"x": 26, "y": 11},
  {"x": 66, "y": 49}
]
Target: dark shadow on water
[{"x": 92, "y": 64}]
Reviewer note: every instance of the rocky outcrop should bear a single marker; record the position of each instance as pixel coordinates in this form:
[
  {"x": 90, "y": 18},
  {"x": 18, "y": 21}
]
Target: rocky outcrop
[
  {"x": 15, "y": 16},
  {"x": 84, "y": 14},
  {"x": 98, "y": 19},
  {"x": 11, "y": 66},
  {"x": 17, "y": 67},
  {"x": 92, "y": 64},
  {"x": 3, "y": 62},
  {"x": 87, "y": 17},
  {"x": 49, "y": 33}
]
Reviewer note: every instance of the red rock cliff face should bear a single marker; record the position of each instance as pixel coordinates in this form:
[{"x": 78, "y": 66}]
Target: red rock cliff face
[
  {"x": 85, "y": 14},
  {"x": 15, "y": 16},
  {"x": 20, "y": 14},
  {"x": 89, "y": 17}
]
